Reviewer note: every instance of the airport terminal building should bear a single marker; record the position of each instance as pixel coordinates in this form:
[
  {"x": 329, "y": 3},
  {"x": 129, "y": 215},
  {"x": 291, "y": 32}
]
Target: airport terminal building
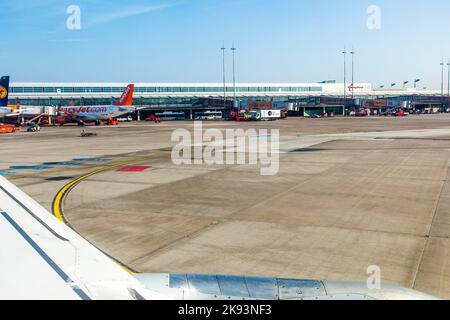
[
  {"x": 154, "y": 94},
  {"x": 203, "y": 96}
]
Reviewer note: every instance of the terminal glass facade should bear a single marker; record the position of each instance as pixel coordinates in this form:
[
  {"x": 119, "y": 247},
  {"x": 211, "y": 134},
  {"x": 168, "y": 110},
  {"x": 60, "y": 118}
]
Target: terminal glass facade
[{"x": 140, "y": 89}]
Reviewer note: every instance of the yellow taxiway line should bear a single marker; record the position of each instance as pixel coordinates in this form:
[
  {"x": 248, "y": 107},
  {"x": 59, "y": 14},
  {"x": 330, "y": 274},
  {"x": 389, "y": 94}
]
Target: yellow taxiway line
[{"x": 58, "y": 201}]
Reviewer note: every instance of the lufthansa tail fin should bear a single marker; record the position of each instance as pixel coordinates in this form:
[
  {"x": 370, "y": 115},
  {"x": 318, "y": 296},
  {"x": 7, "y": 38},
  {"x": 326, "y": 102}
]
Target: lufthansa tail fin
[
  {"x": 4, "y": 91},
  {"x": 127, "y": 96}
]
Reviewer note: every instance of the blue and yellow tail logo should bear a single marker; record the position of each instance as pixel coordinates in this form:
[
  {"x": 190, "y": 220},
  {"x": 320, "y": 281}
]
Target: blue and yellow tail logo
[{"x": 4, "y": 91}]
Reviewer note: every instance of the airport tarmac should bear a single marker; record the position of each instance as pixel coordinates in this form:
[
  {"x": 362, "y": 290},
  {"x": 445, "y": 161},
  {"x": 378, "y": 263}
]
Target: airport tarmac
[{"x": 350, "y": 193}]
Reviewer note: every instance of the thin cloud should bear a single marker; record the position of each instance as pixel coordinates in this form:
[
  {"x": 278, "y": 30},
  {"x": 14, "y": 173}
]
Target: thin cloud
[{"x": 126, "y": 13}]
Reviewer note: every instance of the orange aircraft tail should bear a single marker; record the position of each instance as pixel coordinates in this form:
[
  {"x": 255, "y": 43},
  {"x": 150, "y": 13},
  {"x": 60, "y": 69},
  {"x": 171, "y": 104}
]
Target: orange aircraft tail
[{"x": 127, "y": 96}]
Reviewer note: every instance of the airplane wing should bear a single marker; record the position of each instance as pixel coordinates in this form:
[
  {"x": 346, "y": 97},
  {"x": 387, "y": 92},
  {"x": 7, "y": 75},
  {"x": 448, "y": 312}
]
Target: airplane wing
[
  {"x": 16, "y": 113},
  {"x": 43, "y": 259},
  {"x": 127, "y": 109},
  {"x": 84, "y": 117},
  {"x": 75, "y": 116}
]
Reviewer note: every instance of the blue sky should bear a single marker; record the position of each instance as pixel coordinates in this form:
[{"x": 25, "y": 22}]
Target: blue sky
[{"x": 180, "y": 40}]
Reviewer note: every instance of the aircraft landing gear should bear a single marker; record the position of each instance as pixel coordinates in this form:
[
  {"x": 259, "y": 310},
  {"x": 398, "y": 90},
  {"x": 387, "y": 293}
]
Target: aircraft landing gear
[
  {"x": 98, "y": 122},
  {"x": 80, "y": 123}
]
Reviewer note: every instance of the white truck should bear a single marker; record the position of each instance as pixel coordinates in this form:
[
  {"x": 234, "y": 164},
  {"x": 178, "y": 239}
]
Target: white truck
[{"x": 270, "y": 115}]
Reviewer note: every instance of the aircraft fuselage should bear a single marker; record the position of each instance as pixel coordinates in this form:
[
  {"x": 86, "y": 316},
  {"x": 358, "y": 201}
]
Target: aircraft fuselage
[{"x": 94, "y": 113}]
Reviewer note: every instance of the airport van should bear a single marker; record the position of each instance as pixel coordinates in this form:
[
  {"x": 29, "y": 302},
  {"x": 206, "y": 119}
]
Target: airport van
[
  {"x": 171, "y": 116},
  {"x": 209, "y": 115},
  {"x": 266, "y": 115},
  {"x": 125, "y": 119}
]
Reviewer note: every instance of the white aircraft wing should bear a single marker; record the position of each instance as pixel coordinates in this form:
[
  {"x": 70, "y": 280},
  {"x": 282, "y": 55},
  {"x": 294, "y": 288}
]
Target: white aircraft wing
[
  {"x": 15, "y": 113},
  {"x": 83, "y": 117},
  {"x": 41, "y": 258}
]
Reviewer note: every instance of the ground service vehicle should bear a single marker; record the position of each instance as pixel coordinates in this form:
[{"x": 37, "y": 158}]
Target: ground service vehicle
[
  {"x": 112, "y": 122},
  {"x": 171, "y": 116},
  {"x": 153, "y": 118},
  {"x": 33, "y": 128},
  {"x": 240, "y": 116},
  {"x": 6, "y": 128}
]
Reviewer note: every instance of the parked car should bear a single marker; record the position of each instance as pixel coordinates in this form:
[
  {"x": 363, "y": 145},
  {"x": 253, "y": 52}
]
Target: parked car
[
  {"x": 153, "y": 118},
  {"x": 125, "y": 119},
  {"x": 33, "y": 128}
]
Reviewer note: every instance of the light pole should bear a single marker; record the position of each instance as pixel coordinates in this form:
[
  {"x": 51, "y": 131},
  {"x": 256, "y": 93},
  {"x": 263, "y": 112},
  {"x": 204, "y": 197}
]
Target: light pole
[
  {"x": 442, "y": 81},
  {"x": 353, "y": 72},
  {"x": 224, "y": 77},
  {"x": 393, "y": 85},
  {"x": 345, "y": 72},
  {"x": 415, "y": 83},
  {"x": 405, "y": 83},
  {"x": 448, "y": 78},
  {"x": 233, "y": 49}
]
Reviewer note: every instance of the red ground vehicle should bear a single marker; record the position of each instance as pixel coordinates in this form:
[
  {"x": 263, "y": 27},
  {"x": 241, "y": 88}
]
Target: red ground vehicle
[
  {"x": 6, "y": 128},
  {"x": 400, "y": 113},
  {"x": 44, "y": 120},
  {"x": 112, "y": 122},
  {"x": 153, "y": 118},
  {"x": 240, "y": 116}
]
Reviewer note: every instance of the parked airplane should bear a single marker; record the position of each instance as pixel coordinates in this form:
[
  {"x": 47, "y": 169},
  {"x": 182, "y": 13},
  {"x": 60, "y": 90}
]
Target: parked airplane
[
  {"x": 97, "y": 114},
  {"x": 5, "y": 110},
  {"x": 43, "y": 259}
]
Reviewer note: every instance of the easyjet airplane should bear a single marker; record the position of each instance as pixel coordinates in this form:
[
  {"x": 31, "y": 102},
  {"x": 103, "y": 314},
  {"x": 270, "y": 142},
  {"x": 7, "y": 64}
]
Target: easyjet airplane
[
  {"x": 42, "y": 258},
  {"x": 97, "y": 114}
]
